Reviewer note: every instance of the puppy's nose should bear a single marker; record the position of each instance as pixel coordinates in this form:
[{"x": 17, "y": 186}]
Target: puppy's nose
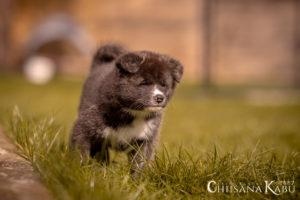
[{"x": 159, "y": 98}]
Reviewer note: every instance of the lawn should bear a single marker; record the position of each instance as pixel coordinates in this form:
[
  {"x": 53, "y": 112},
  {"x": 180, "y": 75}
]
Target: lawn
[{"x": 221, "y": 134}]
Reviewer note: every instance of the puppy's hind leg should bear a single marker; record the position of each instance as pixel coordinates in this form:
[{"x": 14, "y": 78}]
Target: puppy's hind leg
[
  {"x": 80, "y": 141},
  {"x": 83, "y": 145}
]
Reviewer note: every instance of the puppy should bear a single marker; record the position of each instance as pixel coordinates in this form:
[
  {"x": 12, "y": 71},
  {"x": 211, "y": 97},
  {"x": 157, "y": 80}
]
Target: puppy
[{"x": 122, "y": 103}]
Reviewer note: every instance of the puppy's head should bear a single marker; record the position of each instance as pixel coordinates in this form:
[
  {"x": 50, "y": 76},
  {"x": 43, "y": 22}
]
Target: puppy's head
[{"x": 147, "y": 80}]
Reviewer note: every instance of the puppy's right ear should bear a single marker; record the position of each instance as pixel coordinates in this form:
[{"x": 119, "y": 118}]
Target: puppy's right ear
[{"x": 130, "y": 62}]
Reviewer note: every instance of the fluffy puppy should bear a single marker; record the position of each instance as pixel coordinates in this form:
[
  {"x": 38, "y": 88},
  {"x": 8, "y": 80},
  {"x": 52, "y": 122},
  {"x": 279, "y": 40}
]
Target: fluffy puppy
[{"x": 122, "y": 103}]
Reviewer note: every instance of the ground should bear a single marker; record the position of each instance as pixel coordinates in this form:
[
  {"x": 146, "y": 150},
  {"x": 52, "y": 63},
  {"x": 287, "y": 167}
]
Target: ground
[
  {"x": 18, "y": 181},
  {"x": 230, "y": 135}
]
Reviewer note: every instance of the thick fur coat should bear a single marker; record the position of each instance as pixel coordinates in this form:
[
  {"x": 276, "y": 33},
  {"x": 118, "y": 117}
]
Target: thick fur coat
[{"x": 122, "y": 103}]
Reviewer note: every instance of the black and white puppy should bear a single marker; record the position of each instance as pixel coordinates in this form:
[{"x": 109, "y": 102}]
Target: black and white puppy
[{"x": 122, "y": 103}]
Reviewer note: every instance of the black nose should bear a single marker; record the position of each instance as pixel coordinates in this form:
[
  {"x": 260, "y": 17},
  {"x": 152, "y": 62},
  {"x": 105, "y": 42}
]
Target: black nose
[{"x": 159, "y": 98}]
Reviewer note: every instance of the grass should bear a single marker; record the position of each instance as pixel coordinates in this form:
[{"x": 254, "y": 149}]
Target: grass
[{"x": 216, "y": 135}]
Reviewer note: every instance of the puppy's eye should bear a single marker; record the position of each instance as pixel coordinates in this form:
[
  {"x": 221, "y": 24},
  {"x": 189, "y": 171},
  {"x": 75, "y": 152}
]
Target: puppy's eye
[
  {"x": 145, "y": 82},
  {"x": 163, "y": 84}
]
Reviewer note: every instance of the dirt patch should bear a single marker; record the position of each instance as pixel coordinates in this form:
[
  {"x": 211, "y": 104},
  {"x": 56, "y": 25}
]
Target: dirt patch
[{"x": 17, "y": 178}]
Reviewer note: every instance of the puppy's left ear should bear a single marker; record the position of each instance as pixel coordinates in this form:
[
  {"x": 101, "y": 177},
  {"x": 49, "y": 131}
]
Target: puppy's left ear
[{"x": 176, "y": 69}]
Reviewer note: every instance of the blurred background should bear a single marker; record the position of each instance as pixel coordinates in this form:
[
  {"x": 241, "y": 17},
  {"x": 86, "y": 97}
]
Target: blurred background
[
  {"x": 241, "y": 58},
  {"x": 240, "y": 91},
  {"x": 220, "y": 42},
  {"x": 246, "y": 52}
]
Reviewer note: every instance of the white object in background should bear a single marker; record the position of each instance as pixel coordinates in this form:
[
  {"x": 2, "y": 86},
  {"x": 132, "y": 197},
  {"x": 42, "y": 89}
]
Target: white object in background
[{"x": 39, "y": 69}]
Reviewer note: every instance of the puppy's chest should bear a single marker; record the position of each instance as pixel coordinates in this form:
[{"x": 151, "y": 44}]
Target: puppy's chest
[{"x": 138, "y": 129}]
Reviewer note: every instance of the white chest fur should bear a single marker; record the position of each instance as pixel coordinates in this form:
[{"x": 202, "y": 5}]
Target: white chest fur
[{"x": 139, "y": 129}]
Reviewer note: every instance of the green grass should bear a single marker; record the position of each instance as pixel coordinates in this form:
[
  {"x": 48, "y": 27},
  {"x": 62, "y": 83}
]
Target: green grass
[{"x": 206, "y": 135}]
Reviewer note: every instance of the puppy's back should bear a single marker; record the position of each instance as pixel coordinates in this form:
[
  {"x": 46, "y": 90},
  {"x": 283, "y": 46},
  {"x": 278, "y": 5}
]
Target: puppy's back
[{"x": 102, "y": 66}]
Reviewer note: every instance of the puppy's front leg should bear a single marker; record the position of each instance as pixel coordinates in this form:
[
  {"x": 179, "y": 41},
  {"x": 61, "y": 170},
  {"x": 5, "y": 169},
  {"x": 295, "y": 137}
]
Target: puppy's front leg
[
  {"x": 99, "y": 151},
  {"x": 143, "y": 152}
]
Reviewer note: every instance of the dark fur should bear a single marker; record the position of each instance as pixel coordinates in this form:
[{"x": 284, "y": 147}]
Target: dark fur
[{"x": 119, "y": 81}]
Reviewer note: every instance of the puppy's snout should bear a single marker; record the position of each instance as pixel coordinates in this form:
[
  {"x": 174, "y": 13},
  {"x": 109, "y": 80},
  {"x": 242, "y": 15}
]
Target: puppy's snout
[{"x": 159, "y": 98}]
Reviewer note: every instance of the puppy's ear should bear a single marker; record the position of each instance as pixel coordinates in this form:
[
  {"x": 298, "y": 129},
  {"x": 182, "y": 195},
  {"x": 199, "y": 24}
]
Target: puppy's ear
[
  {"x": 108, "y": 53},
  {"x": 176, "y": 69},
  {"x": 130, "y": 62}
]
